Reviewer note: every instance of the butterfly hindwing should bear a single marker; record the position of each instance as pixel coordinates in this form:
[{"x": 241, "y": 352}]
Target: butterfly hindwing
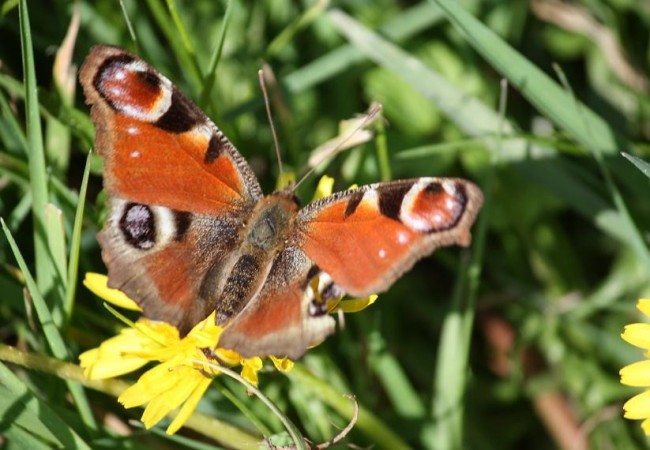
[
  {"x": 166, "y": 260},
  {"x": 287, "y": 316}
]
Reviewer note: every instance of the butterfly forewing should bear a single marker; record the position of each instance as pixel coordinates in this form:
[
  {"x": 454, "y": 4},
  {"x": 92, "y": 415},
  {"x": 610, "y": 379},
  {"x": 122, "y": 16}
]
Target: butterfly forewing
[
  {"x": 158, "y": 147},
  {"x": 367, "y": 237}
]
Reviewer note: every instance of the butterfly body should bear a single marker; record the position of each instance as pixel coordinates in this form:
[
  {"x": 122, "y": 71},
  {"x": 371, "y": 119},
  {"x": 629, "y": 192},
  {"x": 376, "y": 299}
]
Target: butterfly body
[
  {"x": 264, "y": 236},
  {"x": 190, "y": 232}
]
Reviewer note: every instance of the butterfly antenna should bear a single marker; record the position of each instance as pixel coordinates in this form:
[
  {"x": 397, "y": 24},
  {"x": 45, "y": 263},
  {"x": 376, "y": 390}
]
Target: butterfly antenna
[
  {"x": 267, "y": 104},
  {"x": 374, "y": 110}
]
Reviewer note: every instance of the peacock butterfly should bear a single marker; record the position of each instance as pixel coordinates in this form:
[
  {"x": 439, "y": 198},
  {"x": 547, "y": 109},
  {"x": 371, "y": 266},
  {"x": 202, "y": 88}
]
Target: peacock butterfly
[{"x": 190, "y": 231}]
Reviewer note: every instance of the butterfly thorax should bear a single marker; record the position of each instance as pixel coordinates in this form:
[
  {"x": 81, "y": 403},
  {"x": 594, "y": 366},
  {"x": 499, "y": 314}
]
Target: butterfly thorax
[
  {"x": 265, "y": 235},
  {"x": 271, "y": 222}
]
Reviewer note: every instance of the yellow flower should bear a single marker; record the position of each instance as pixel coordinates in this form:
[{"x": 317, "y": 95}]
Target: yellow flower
[
  {"x": 638, "y": 374},
  {"x": 179, "y": 380}
]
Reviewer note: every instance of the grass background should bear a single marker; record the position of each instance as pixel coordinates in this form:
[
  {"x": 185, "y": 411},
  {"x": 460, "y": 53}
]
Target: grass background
[{"x": 512, "y": 344}]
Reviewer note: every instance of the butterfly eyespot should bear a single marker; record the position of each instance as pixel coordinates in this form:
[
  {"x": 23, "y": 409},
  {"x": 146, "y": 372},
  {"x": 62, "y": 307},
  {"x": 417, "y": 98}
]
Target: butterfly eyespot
[
  {"x": 132, "y": 88},
  {"x": 431, "y": 207},
  {"x": 149, "y": 78},
  {"x": 138, "y": 226}
]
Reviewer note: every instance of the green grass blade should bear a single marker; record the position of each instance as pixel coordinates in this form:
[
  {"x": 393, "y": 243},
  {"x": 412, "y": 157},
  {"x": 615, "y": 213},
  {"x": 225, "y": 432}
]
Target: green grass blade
[
  {"x": 20, "y": 438},
  {"x": 14, "y": 170},
  {"x": 546, "y": 95},
  {"x": 13, "y": 135},
  {"x": 211, "y": 75},
  {"x": 243, "y": 407},
  {"x": 75, "y": 242},
  {"x": 52, "y": 335},
  {"x": 455, "y": 104},
  {"x": 13, "y": 86},
  {"x": 57, "y": 249},
  {"x": 387, "y": 368},
  {"x": 640, "y": 164},
  {"x": 180, "y": 29},
  {"x": 288, "y": 34},
  {"x": 403, "y": 26},
  {"x": 183, "y": 52},
  {"x": 45, "y": 274},
  {"x": 129, "y": 25},
  {"x": 78, "y": 121},
  {"x": 45, "y": 266},
  {"x": 20, "y": 212},
  {"x": 20, "y": 408}
]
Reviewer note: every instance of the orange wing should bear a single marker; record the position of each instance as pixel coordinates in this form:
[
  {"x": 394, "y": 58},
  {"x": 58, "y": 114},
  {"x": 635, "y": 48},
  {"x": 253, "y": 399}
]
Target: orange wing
[
  {"x": 179, "y": 191},
  {"x": 366, "y": 238},
  {"x": 159, "y": 148},
  {"x": 286, "y": 316}
]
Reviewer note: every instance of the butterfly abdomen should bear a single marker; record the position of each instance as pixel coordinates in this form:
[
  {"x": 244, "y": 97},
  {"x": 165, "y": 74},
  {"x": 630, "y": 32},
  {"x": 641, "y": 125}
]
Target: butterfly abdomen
[{"x": 265, "y": 236}]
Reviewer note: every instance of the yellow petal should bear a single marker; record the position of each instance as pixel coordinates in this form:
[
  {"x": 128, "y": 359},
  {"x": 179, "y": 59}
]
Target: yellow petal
[
  {"x": 98, "y": 285},
  {"x": 356, "y": 304},
  {"x": 250, "y": 368},
  {"x": 98, "y": 366},
  {"x": 637, "y": 374},
  {"x": 146, "y": 340},
  {"x": 116, "y": 356},
  {"x": 637, "y": 334},
  {"x": 229, "y": 357},
  {"x": 282, "y": 364},
  {"x": 152, "y": 383},
  {"x": 189, "y": 406},
  {"x": 206, "y": 333},
  {"x": 185, "y": 380},
  {"x": 643, "y": 305},
  {"x": 324, "y": 188},
  {"x": 638, "y": 407}
]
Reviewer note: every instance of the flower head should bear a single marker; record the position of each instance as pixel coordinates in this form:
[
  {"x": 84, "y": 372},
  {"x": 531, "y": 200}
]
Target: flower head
[
  {"x": 179, "y": 380},
  {"x": 638, "y": 374},
  {"x": 183, "y": 372}
]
